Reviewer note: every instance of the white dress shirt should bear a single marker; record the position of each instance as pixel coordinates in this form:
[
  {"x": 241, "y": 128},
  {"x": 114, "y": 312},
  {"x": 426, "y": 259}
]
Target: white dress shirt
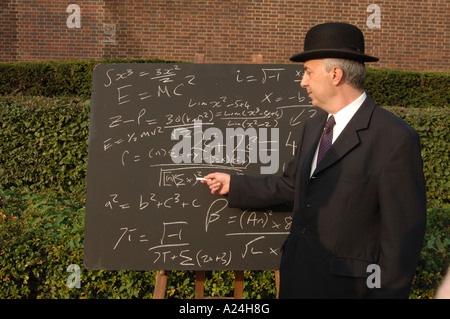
[{"x": 342, "y": 118}]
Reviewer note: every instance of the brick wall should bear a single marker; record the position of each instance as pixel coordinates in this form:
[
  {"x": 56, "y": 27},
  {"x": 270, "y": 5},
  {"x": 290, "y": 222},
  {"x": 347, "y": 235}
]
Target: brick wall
[
  {"x": 411, "y": 35},
  {"x": 37, "y": 30},
  {"x": 8, "y": 31}
]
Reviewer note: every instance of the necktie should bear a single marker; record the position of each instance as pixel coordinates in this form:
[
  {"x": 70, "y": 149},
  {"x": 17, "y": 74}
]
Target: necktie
[{"x": 326, "y": 139}]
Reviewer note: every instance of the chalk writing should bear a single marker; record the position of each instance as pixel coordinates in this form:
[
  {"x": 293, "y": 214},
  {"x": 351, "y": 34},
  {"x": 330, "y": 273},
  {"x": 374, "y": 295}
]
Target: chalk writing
[{"x": 156, "y": 130}]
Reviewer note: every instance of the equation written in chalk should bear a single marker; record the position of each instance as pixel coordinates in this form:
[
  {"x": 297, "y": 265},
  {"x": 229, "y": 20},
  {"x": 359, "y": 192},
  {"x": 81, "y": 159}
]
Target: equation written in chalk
[{"x": 155, "y": 131}]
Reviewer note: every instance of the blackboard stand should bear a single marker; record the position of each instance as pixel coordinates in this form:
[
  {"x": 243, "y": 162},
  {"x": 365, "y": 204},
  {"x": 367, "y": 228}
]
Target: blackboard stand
[
  {"x": 161, "y": 275},
  {"x": 160, "y": 284}
]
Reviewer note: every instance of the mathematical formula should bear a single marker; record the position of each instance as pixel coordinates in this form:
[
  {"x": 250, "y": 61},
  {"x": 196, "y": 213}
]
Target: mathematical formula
[
  {"x": 172, "y": 243},
  {"x": 155, "y": 130}
]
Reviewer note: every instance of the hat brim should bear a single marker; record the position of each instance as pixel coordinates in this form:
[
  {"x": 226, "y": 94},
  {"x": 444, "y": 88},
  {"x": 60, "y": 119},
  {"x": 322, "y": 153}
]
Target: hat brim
[{"x": 330, "y": 53}]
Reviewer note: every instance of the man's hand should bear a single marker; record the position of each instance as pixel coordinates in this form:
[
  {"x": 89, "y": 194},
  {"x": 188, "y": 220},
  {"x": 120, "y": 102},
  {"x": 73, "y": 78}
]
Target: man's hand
[{"x": 219, "y": 183}]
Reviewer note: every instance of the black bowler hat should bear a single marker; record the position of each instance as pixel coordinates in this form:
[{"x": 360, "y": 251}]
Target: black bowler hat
[{"x": 334, "y": 40}]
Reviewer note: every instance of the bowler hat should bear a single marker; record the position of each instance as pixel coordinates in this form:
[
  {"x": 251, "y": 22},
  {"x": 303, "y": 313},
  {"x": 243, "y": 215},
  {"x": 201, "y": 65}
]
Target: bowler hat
[{"x": 334, "y": 40}]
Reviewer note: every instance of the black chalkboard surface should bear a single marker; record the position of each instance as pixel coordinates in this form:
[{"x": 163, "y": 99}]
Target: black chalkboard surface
[{"x": 154, "y": 129}]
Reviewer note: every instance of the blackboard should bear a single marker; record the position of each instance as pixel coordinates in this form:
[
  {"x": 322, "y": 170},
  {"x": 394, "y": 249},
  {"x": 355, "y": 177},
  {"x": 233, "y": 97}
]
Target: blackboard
[{"x": 155, "y": 128}]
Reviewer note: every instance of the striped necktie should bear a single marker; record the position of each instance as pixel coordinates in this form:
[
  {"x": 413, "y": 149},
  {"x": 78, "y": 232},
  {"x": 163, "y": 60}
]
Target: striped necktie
[{"x": 326, "y": 139}]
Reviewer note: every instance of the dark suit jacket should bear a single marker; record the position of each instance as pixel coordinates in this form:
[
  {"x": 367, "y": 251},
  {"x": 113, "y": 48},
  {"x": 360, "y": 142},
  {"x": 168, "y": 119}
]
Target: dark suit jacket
[{"x": 365, "y": 204}]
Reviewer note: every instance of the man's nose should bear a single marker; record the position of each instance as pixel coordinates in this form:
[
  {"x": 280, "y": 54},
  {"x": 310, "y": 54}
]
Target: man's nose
[{"x": 304, "y": 82}]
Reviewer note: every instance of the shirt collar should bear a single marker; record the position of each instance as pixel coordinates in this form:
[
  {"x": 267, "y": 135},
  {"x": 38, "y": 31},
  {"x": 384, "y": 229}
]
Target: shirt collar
[{"x": 345, "y": 115}]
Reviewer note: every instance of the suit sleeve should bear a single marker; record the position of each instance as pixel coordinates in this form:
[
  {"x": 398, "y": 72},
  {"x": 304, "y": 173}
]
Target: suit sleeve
[
  {"x": 402, "y": 200},
  {"x": 263, "y": 191}
]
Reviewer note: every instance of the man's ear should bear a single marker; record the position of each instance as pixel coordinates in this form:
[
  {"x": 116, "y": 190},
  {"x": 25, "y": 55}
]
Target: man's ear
[{"x": 336, "y": 76}]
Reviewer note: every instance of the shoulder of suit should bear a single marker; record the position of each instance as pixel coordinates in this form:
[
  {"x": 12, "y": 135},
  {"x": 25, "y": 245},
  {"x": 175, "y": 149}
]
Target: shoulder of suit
[{"x": 391, "y": 122}]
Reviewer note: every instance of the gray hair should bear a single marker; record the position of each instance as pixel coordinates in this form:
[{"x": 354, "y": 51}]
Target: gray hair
[{"x": 354, "y": 72}]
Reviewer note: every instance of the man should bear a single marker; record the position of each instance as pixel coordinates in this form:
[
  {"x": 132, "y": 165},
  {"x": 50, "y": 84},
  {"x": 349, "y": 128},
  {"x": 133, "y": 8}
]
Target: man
[{"x": 360, "y": 206}]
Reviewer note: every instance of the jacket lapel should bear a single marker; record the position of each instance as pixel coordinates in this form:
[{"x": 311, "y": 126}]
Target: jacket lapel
[
  {"x": 349, "y": 137},
  {"x": 313, "y": 132}
]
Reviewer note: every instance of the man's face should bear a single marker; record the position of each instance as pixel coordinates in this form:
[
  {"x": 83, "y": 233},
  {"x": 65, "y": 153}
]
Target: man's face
[{"x": 317, "y": 83}]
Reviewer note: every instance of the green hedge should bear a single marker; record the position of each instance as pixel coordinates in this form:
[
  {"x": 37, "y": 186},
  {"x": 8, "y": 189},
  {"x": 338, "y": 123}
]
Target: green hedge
[
  {"x": 409, "y": 88},
  {"x": 43, "y": 160},
  {"x": 43, "y": 143},
  {"x": 74, "y": 78}
]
